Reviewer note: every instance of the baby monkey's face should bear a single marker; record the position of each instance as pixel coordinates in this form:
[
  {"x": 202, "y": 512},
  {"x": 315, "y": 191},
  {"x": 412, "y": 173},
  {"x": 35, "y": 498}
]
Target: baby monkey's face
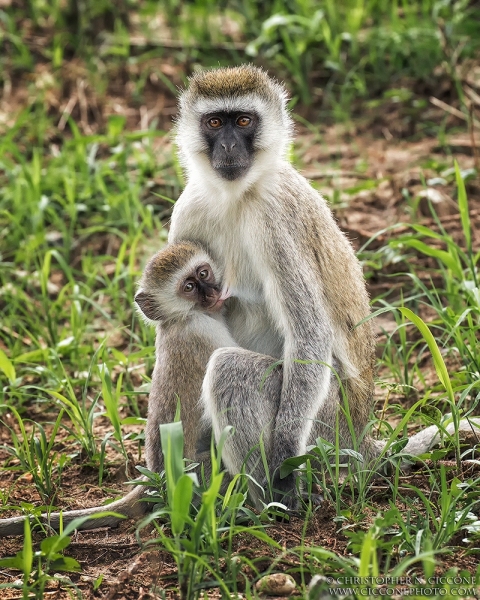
[{"x": 201, "y": 287}]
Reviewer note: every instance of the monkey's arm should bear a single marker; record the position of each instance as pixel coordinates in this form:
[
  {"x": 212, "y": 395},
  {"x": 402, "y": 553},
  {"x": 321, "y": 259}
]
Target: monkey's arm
[
  {"x": 130, "y": 506},
  {"x": 293, "y": 295}
]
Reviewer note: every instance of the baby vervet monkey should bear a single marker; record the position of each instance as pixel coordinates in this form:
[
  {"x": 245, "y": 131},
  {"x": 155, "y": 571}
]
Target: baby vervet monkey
[{"x": 180, "y": 293}]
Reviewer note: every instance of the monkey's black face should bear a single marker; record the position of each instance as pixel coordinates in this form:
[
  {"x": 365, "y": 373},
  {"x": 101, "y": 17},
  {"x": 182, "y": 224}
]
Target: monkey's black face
[
  {"x": 201, "y": 287},
  {"x": 230, "y": 137}
]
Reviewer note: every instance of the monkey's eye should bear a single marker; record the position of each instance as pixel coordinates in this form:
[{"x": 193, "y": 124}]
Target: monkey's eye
[
  {"x": 188, "y": 287},
  {"x": 203, "y": 274},
  {"x": 243, "y": 121},
  {"x": 215, "y": 122}
]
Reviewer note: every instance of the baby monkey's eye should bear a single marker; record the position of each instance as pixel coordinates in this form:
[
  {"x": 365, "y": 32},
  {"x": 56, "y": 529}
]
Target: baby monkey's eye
[
  {"x": 243, "y": 121},
  {"x": 203, "y": 274},
  {"x": 215, "y": 122},
  {"x": 189, "y": 287}
]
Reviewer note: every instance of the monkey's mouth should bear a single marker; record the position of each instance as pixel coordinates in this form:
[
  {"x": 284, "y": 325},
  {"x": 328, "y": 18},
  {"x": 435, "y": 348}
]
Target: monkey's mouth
[
  {"x": 217, "y": 305},
  {"x": 213, "y": 303},
  {"x": 231, "y": 171}
]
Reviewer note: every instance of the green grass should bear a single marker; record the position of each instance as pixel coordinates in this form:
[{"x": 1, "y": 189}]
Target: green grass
[
  {"x": 71, "y": 226},
  {"x": 331, "y": 53},
  {"x": 80, "y": 212},
  {"x": 74, "y": 227}
]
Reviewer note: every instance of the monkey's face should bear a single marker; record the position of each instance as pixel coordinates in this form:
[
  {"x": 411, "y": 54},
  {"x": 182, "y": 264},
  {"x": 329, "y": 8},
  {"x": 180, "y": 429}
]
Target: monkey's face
[
  {"x": 178, "y": 282},
  {"x": 234, "y": 124},
  {"x": 230, "y": 138},
  {"x": 201, "y": 288}
]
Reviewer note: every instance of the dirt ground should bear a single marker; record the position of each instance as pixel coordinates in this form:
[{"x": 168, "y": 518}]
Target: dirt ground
[{"x": 330, "y": 157}]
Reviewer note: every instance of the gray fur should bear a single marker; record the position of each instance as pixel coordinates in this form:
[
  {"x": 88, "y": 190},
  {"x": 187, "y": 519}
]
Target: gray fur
[
  {"x": 129, "y": 506},
  {"x": 244, "y": 388}
]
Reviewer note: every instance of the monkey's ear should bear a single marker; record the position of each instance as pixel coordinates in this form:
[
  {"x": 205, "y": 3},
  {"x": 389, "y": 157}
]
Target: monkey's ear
[{"x": 147, "y": 304}]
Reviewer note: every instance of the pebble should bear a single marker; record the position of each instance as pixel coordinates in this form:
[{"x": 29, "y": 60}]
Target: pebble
[{"x": 277, "y": 584}]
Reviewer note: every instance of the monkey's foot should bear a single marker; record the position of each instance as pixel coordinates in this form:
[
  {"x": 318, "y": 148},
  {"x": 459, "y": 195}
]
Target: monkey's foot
[
  {"x": 315, "y": 500},
  {"x": 285, "y": 492}
]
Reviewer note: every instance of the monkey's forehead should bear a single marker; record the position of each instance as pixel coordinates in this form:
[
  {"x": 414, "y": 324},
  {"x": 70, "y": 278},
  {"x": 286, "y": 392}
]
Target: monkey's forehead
[
  {"x": 233, "y": 83},
  {"x": 175, "y": 258}
]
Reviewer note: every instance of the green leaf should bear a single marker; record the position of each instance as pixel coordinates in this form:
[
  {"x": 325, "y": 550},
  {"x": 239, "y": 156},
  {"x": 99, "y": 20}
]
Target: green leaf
[
  {"x": 27, "y": 550},
  {"x": 98, "y": 582},
  {"x": 438, "y": 361},
  {"x": 76, "y": 523},
  {"x": 65, "y": 563},
  {"x": 456, "y": 489},
  {"x": 7, "y": 367},
  {"x": 110, "y": 400},
  {"x": 134, "y": 421},
  {"x": 115, "y": 125},
  {"x": 463, "y": 208},
  {"x": 182, "y": 498},
  {"x": 55, "y": 543},
  {"x": 290, "y": 464},
  {"x": 119, "y": 356},
  {"x": 171, "y": 437},
  {"x": 259, "y": 534},
  {"x": 426, "y": 231},
  {"x": 444, "y": 257},
  {"x": 14, "y": 562},
  {"x": 32, "y": 357},
  {"x": 216, "y": 459},
  {"x": 368, "y": 562},
  {"x": 207, "y": 508}
]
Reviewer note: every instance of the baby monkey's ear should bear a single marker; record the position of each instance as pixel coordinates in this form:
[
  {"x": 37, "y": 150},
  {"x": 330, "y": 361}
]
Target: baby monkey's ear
[{"x": 147, "y": 304}]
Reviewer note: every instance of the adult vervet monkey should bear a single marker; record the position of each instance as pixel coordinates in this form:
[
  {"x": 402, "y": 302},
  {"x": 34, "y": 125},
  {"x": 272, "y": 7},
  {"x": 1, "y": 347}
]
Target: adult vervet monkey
[
  {"x": 299, "y": 291},
  {"x": 298, "y": 288},
  {"x": 180, "y": 293}
]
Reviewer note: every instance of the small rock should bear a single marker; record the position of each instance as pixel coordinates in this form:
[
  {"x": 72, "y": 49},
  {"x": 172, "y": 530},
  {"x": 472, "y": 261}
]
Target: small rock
[
  {"x": 277, "y": 584},
  {"x": 442, "y": 204}
]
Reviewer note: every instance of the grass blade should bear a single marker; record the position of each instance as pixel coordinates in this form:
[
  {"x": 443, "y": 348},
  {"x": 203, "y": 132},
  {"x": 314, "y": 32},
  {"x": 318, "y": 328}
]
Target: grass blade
[
  {"x": 438, "y": 361},
  {"x": 463, "y": 208},
  {"x": 7, "y": 367}
]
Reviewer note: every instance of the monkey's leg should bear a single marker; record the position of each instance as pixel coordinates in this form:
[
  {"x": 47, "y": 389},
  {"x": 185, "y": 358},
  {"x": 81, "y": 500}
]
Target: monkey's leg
[{"x": 242, "y": 388}]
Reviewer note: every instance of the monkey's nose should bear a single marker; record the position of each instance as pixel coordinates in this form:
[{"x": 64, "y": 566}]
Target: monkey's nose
[{"x": 229, "y": 148}]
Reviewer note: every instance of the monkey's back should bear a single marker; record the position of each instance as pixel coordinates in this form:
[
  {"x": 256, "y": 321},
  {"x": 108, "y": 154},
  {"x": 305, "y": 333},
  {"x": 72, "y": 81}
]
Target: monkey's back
[{"x": 182, "y": 352}]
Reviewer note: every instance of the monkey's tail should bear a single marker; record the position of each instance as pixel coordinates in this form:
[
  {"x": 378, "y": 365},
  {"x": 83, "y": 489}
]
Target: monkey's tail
[
  {"x": 129, "y": 506},
  {"x": 427, "y": 438},
  {"x": 422, "y": 441}
]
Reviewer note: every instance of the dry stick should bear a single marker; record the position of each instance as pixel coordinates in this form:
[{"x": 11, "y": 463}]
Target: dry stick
[
  {"x": 82, "y": 101},
  {"x": 67, "y": 111},
  {"x": 471, "y": 93},
  {"x": 451, "y": 110}
]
